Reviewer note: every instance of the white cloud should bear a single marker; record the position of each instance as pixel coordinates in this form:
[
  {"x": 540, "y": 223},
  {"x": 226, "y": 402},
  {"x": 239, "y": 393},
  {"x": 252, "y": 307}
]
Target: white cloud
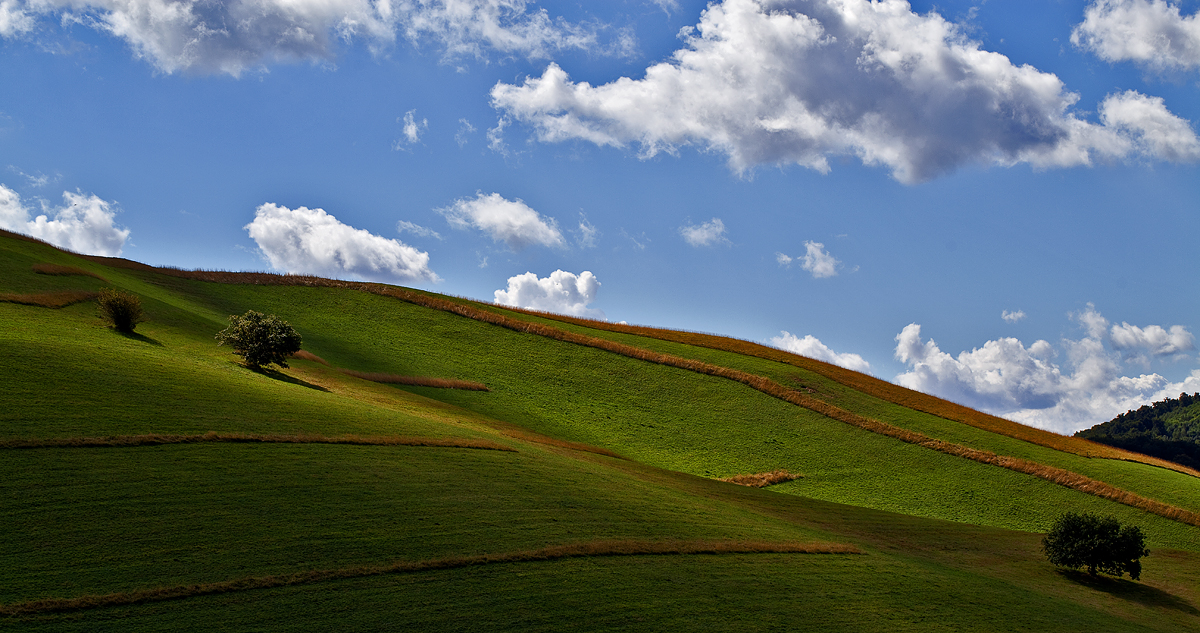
[
  {"x": 812, "y": 347},
  {"x": 238, "y": 35},
  {"x": 14, "y": 19},
  {"x": 783, "y": 260},
  {"x": 412, "y": 129},
  {"x": 464, "y": 128},
  {"x": 311, "y": 241},
  {"x": 561, "y": 292},
  {"x": 1027, "y": 385},
  {"x": 707, "y": 234},
  {"x": 83, "y": 224},
  {"x": 1012, "y": 317},
  {"x": 508, "y": 221},
  {"x": 1153, "y": 340},
  {"x": 404, "y": 226},
  {"x": 1151, "y": 33},
  {"x": 779, "y": 82}
]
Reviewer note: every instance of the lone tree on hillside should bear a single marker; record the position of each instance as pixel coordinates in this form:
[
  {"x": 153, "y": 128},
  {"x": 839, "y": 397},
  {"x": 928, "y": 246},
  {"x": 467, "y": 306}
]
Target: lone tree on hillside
[
  {"x": 260, "y": 338},
  {"x": 122, "y": 309},
  {"x": 1101, "y": 544}
]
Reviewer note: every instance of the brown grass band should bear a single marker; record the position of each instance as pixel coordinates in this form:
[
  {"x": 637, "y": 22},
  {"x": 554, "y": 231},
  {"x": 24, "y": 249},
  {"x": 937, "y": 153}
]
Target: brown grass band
[
  {"x": 416, "y": 381},
  {"x": 57, "y": 299},
  {"x": 762, "y": 480},
  {"x": 1049, "y": 473},
  {"x": 121, "y": 441},
  {"x": 57, "y": 269},
  {"x": 605, "y": 548}
]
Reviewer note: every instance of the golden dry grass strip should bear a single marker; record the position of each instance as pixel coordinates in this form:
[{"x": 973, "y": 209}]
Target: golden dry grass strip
[
  {"x": 417, "y": 381},
  {"x": 307, "y": 355},
  {"x": 57, "y": 299},
  {"x": 881, "y": 389},
  {"x": 121, "y": 441},
  {"x": 577, "y": 550},
  {"x": 761, "y": 383},
  {"x": 58, "y": 269},
  {"x": 762, "y": 480}
]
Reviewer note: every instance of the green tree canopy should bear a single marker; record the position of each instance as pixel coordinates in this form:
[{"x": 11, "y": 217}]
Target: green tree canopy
[
  {"x": 1101, "y": 544},
  {"x": 261, "y": 339}
]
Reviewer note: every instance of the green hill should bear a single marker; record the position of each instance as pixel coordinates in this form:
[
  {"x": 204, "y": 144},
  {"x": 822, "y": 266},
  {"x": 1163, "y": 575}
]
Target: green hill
[
  {"x": 150, "y": 482},
  {"x": 1169, "y": 429}
]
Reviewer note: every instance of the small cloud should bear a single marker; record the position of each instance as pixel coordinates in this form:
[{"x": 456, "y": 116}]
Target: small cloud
[
  {"x": 587, "y": 232},
  {"x": 404, "y": 226},
  {"x": 83, "y": 224},
  {"x": 812, "y": 347},
  {"x": 1012, "y": 317},
  {"x": 815, "y": 260},
  {"x": 311, "y": 241},
  {"x": 707, "y": 234},
  {"x": 38, "y": 181},
  {"x": 508, "y": 221},
  {"x": 1152, "y": 340},
  {"x": 562, "y": 292},
  {"x": 464, "y": 128},
  {"x": 412, "y": 130},
  {"x": 783, "y": 260}
]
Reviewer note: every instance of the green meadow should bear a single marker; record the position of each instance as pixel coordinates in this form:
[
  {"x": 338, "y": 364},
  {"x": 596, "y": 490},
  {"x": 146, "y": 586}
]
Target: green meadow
[{"x": 604, "y": 511}]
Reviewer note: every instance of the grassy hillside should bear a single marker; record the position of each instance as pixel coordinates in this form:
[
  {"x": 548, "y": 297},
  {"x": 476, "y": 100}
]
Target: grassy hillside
[{"x": 601, "y": 512}]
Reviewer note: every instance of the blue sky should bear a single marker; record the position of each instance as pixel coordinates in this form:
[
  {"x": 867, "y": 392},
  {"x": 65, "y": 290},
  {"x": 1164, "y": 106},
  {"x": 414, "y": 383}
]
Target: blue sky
[{"x": 996, "y": 202}]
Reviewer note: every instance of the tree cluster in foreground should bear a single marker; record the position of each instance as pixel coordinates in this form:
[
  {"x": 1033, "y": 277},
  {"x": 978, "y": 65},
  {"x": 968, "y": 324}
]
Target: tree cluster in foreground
[{"x": 1101, "y": 544}]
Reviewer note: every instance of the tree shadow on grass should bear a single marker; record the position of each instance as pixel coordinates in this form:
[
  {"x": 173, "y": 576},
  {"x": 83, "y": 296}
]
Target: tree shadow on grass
[
  {"x": 275, "y": 374},
  {"x": 142, "y": 338},
  {"x": 1130, "y": 590}
]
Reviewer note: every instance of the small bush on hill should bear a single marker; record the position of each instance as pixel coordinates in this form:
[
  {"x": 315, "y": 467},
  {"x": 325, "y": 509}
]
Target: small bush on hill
[
  {"x": 1101, "y": 544},
  {"x": 261, "y": 339},
  {"x": 122, "y": 309}
]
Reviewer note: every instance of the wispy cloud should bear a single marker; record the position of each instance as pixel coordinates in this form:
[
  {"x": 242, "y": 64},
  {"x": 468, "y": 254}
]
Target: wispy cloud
[
  {"x": 706, "y": 234},
  {"x": 587, "y": 232},
  {"x": 815, "y": 260},
  {"x": 404, "y": 226},
  {"x": 464, "y": 129},
  {"x": 1012, "y": 317},
  {"x": 412, "y": 129}
]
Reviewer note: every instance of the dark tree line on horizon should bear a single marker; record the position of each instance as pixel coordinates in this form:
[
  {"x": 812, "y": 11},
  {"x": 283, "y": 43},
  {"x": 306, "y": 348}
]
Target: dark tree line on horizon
[{"x": 1168, "y": 429}]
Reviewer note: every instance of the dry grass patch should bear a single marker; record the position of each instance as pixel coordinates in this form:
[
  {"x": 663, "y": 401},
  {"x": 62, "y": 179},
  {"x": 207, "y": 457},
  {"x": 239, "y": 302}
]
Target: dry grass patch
[
  {"x": 306, "y": 355},
  {"x": 119, "y": 441},
  {"x": 577, "y": 550},
  {"x": 57, "y": 269},
  {"x": 56, "y": 299},
  {"x": 762, "y": 480}
]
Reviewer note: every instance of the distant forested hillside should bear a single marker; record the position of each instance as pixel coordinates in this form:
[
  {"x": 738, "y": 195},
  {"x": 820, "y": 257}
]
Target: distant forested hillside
[{"x": 1169, "y": 429}]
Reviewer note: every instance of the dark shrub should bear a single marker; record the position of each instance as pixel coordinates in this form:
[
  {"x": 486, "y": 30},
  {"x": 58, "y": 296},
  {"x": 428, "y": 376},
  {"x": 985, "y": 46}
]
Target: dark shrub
[
  {"x": 122, "y": 309},
  {"x": 1099, "y": 543},
  {"x": 260, "y": 338}
]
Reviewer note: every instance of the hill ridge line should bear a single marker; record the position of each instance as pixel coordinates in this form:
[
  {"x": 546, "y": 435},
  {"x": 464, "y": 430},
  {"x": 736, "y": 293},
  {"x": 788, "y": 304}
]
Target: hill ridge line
[
  {"x": 605, "y": 548},
  {"x": 1066, "y": 478}
]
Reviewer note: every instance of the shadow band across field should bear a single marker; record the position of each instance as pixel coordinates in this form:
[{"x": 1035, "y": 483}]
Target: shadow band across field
[
  {"x": 122, "y": 441},
  {"x": 576, "y": 550}
]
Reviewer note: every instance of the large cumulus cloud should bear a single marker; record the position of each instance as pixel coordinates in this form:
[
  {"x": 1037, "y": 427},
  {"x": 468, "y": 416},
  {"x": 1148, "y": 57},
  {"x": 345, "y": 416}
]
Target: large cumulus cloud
[
  {"x": 1151, "y": 33},
  {"x": 562, "y": 292},
  {"x": 84, "y": 224},
  {"x": 1032, "y": 386},
  {"x": 798, "y": 81},
  {"x": 235, "y": 35},
  {"x": 311, "y": 241}
]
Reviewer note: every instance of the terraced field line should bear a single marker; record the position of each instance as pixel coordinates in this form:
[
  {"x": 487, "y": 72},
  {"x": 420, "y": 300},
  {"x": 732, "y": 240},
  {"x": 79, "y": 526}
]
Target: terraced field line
[
  {"x": 121, "y": 441},
  {"x": 577, "y": 550}
]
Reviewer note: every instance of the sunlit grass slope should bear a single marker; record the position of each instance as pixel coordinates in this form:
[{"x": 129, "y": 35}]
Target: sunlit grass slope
[{"x": 292, "y": 536}]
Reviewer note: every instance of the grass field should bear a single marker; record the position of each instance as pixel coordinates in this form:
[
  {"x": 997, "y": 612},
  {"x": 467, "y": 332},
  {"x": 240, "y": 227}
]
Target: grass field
[{"x": 609, "y": 457}]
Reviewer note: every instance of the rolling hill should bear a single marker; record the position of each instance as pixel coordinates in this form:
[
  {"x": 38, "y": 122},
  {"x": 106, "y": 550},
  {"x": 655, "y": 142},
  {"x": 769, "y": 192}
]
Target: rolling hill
[{"x": 150, "y": 482}]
